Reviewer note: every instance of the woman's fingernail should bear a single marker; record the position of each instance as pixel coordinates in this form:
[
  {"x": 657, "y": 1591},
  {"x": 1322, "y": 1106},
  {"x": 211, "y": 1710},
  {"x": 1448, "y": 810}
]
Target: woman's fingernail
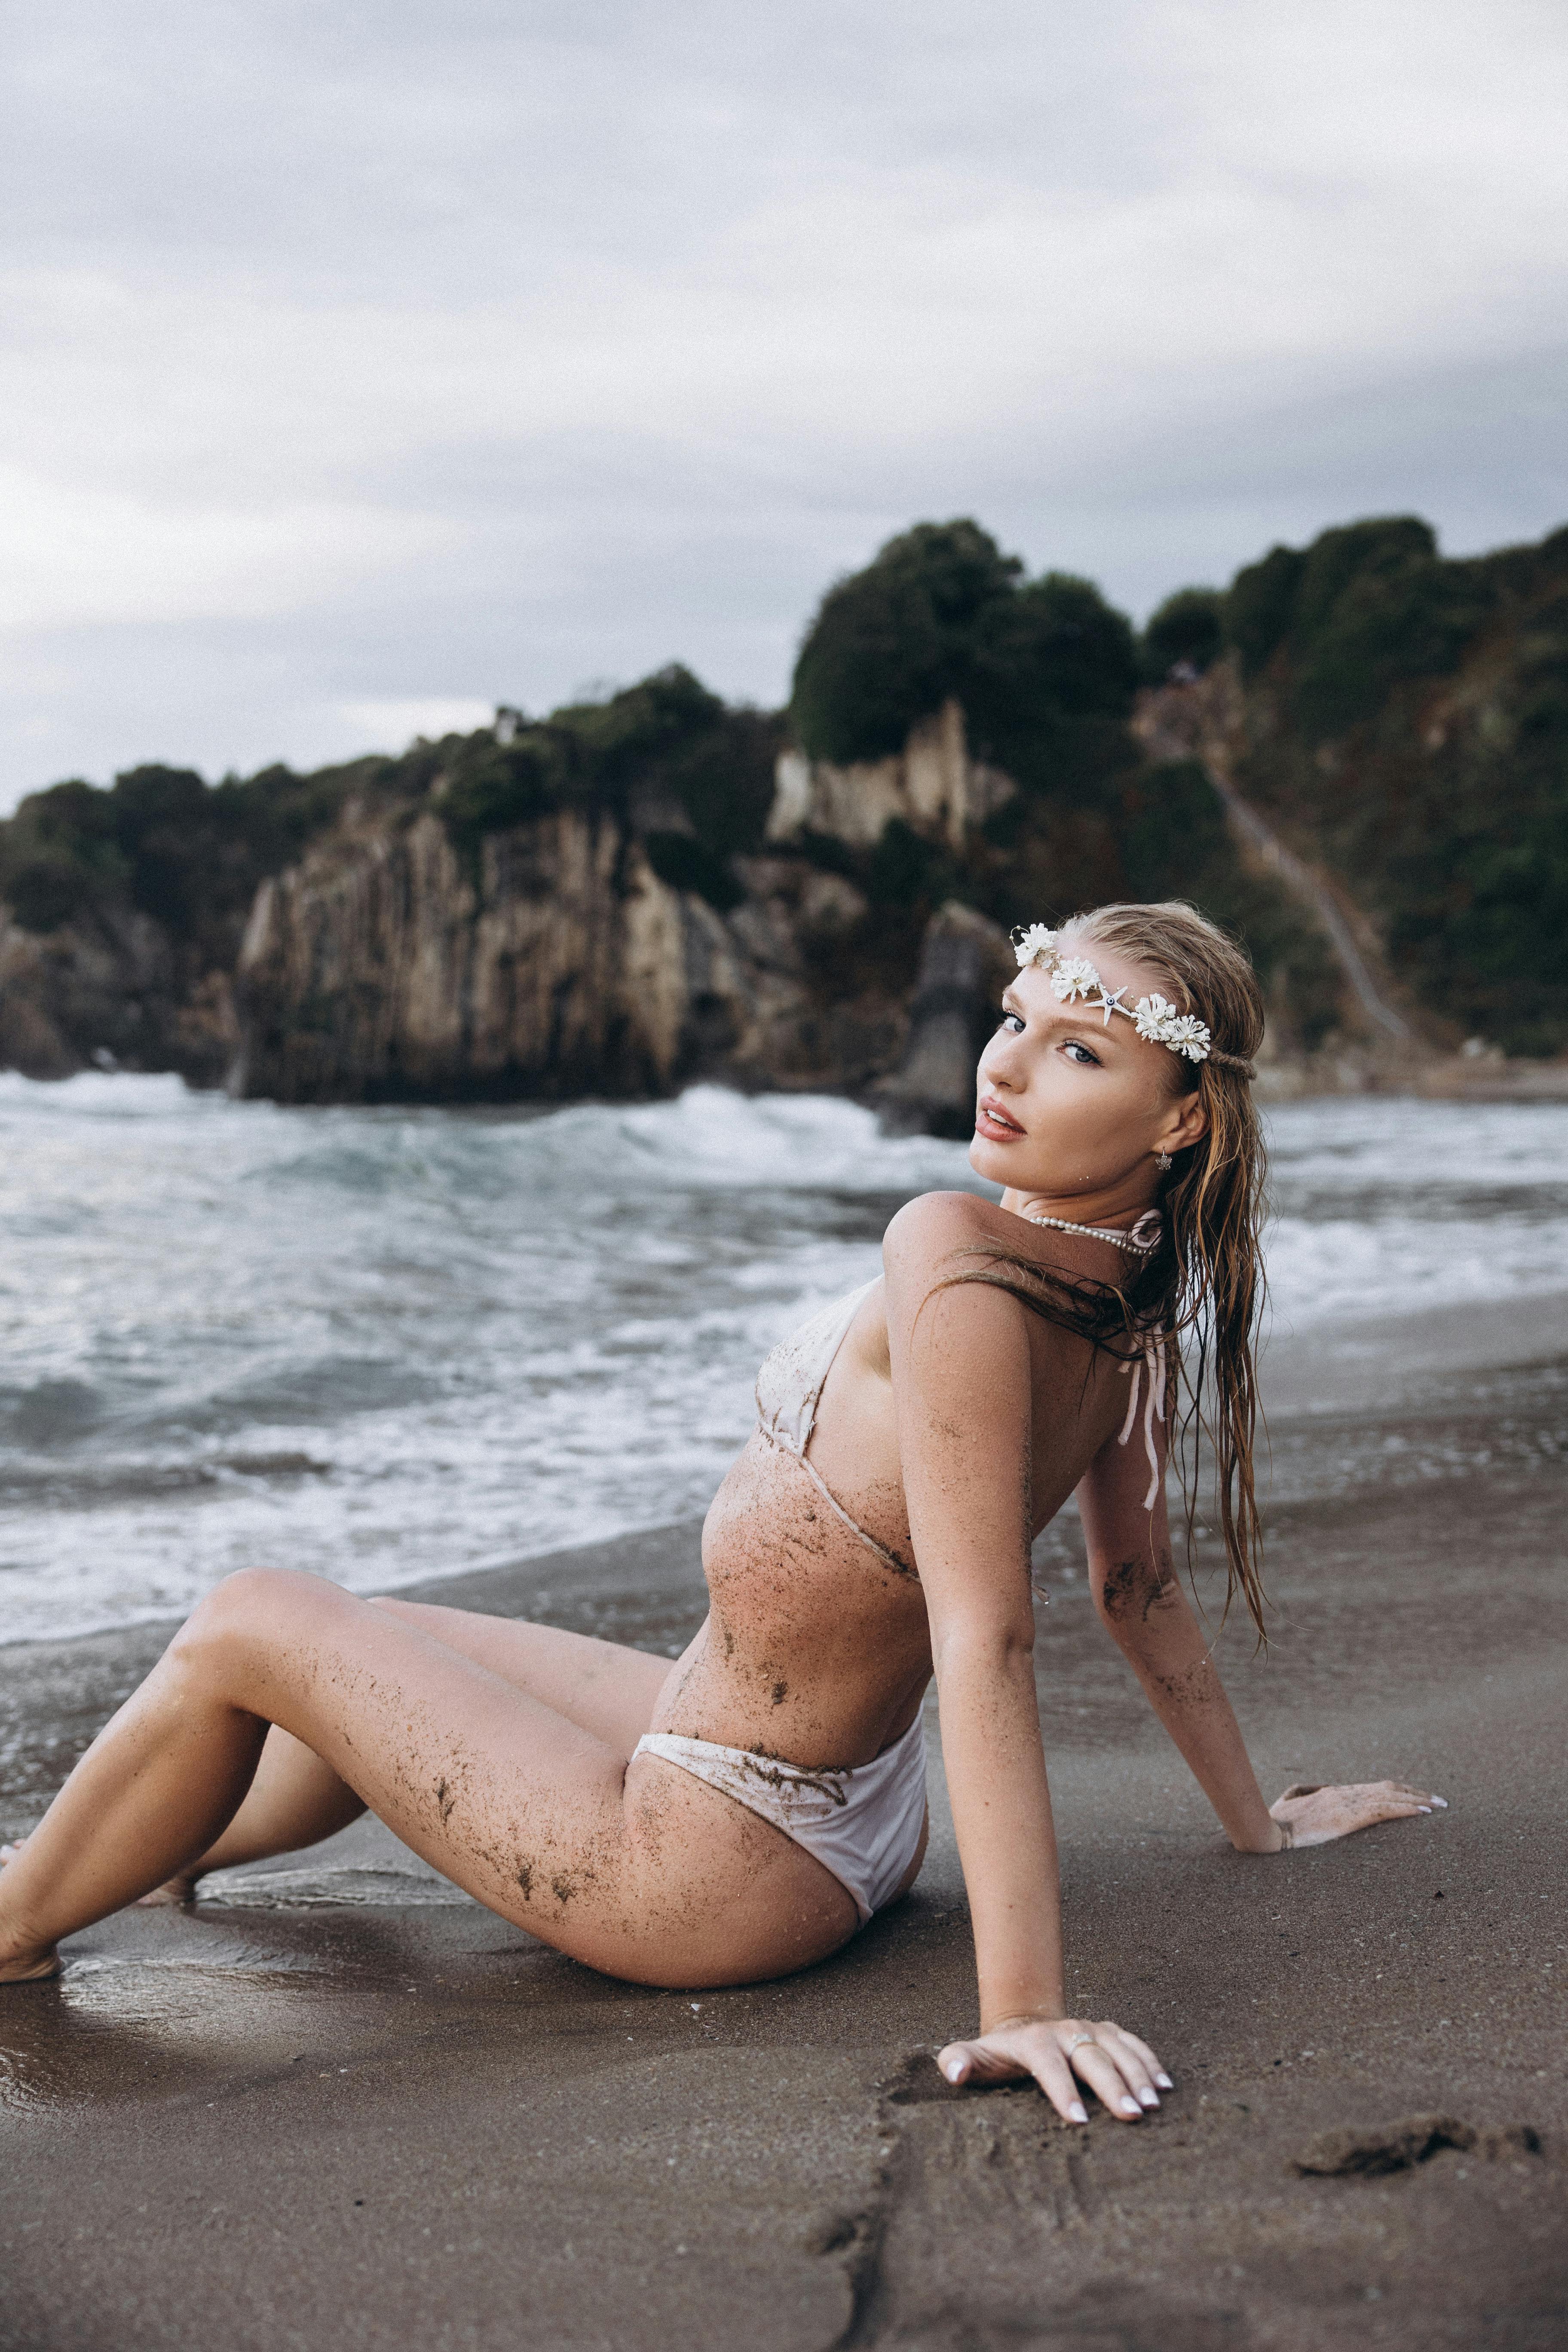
[
  {"x": 1131, "y": 2107},
  {"x": 1441, "y": 1800},
  {"x": 1423, "y": 1809},
  {"x": 1149, "y": 2098},
  {"x": 1077, "y": 2114},
  {"x": 1164, "y": 2081},
  {"x": 954, "y": 2070}
]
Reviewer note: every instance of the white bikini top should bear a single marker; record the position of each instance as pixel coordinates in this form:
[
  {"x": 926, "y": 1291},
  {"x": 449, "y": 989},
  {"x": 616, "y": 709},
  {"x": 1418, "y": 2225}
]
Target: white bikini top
[
  {"x": 788, "y": 1388},
  {"x": 791, "y": 1382},
  {"x": 792, "y": 1377}
]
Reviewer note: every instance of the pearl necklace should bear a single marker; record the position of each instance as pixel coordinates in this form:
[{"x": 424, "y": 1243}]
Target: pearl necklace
[{"x": 1129, "y": 1241}]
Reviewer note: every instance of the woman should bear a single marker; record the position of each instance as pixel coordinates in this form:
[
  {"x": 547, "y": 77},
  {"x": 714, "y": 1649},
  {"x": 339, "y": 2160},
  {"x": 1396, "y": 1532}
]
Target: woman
[{"x": 738, "y": 1815}]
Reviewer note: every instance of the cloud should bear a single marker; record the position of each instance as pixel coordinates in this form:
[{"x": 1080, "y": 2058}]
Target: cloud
[
  {"x": 366, "y": 357},
  {"x": 383, "y": 725}
]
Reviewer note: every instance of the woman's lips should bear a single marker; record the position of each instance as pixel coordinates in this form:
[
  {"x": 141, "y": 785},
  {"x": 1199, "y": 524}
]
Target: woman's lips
[{"x": 993, "y": 1121}]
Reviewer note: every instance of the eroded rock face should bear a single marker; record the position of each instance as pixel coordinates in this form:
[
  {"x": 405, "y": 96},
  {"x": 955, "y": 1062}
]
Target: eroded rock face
[
  {"x": 109, "y": 988},
  {"x": 387, "y": 966},
  {"x": 965, "y": 964},
  {"x": 932, "y": 786},
  {"x": 381, "y": 969}
]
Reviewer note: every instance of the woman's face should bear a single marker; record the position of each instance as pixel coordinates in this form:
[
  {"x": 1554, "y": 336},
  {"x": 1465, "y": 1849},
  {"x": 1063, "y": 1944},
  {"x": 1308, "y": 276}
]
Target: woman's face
[{"x": 1071, "y": 1102}]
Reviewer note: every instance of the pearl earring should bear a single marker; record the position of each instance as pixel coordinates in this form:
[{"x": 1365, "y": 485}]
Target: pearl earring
[{"x": 1162, "y": 1161}]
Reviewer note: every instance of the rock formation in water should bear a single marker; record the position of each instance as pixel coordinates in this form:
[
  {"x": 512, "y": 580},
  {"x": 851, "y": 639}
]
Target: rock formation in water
[
  {"x": 108, "y": 989},
  {"x": 550, "y": 959},
  {"x": 123, "y": 912},
  {"x": 556, "y": 963}
]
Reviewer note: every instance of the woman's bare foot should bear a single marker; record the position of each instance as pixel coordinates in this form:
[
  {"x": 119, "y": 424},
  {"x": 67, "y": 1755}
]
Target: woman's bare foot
[
  {"x": 29, "y": 1969},
  {"x": 25, "y": 1968},
  {"x": 181, "y": 1889}
]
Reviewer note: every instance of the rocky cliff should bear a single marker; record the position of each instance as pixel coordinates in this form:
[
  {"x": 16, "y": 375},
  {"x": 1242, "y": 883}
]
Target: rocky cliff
[
  {"x": 614, "y": 902},
  {"x": 122, "y": 913},
  {"x": 386, "y": 966},
  {"x": 1357, "y": 758},
  {"x": 933, "y": 786},
  {"x": 109, "y": 988},
  {"x": 574, "y": 908}
]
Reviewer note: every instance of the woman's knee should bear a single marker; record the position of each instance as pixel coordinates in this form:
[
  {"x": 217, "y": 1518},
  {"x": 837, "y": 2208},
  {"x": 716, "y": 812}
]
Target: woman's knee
[{"x": 255, "y": 1602}]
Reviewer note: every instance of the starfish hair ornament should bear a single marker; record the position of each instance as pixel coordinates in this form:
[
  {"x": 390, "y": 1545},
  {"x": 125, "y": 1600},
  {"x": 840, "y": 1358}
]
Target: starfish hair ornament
[{"x": 1074, "y": 978}]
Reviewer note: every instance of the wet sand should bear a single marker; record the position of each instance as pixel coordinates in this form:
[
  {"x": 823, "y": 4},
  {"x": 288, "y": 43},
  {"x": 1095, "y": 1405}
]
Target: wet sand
[{"x": 337, "y": 2104}]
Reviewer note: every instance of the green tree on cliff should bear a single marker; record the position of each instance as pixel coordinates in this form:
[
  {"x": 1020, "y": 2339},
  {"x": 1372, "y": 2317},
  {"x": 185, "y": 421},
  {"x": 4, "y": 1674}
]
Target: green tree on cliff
[
  {"x": 1186, "y": 632},
  {"x": 942, "y": 614}
]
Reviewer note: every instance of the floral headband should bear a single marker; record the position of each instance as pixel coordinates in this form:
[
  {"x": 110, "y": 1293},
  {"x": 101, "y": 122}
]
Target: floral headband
[{"x": 1153, "y": 1017}]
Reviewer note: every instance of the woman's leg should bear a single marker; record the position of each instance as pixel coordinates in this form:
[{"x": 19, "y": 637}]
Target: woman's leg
[
  {"x": 649, "y": 1874},
  {"x": 296, "y": 1800},
  {"x": 601, "y": 1687},
  {"x": 293, "y": 1800}
]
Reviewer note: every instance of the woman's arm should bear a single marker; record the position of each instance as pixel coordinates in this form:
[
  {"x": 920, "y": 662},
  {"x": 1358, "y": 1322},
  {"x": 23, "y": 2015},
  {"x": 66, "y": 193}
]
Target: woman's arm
[
  {"x": 1143, "y": 1608},
  {"x": 961, "y": 1387}
]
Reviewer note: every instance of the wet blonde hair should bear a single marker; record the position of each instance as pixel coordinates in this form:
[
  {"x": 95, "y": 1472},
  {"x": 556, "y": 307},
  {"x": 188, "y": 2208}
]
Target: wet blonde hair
[{"x": 1205, "y": 1283}]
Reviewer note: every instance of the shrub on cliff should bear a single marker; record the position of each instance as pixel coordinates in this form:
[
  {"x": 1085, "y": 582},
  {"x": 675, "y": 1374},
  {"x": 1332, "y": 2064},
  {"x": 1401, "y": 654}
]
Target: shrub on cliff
[
  {"x": 1365, "y": 607},
  {"x": 1174, "y": 842},
  {"x": 692, "y": 776},
  {"x": 1045, "y": 672},
  {"x": 61, "y": 855},
  {"x": 890, "y": 643},
  {"x": 1443, "y": 806},
  {"x": 1257, "y": 610},
  {"x": 942, "y": 612},
  {"x": 1185, "y": 631},
  {"x": 164, "y": 843}
]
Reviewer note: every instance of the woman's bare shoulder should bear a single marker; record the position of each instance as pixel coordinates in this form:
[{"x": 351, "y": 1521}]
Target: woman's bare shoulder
[{"x": 926, "y": 1233}]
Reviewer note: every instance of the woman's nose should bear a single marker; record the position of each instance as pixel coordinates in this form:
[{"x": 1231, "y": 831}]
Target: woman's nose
[{"x": 993, "y": 1062}]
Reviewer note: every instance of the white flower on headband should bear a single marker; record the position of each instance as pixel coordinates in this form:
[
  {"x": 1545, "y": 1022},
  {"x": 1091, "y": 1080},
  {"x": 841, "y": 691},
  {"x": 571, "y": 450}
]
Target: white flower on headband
[
  {"x": 1075, "y": 976},
  {"x": 1157, "y": 1020},
  {"x": 1038, "y": 940},
  {"x": 1190, "y": 1036},
  {"x": 1154, "y": 1017}
]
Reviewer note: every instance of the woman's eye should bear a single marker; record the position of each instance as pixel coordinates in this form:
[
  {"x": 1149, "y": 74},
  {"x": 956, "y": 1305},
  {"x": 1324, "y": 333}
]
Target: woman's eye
[
  {"x": 1014, "y": 1023},
  {"x": 1081, "y": 1054}
]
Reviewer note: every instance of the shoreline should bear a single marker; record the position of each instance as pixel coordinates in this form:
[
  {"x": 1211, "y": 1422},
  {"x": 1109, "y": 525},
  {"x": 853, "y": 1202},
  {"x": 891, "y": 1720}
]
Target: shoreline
[
  {"x": 1359, "y": 1069},
  {"x": 1370, "y": 1364}
]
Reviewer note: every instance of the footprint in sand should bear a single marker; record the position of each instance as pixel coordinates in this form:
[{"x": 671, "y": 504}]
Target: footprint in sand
[{"x": 1400, "y": 2146}]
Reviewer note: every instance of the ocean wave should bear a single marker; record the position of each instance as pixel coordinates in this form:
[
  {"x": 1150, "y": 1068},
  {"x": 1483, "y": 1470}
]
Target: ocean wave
[{"x": 488, "y": 1334}]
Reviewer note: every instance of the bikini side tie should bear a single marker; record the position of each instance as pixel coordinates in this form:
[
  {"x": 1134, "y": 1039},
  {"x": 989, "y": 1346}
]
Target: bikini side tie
[{"x": 1153, "y": 1356}]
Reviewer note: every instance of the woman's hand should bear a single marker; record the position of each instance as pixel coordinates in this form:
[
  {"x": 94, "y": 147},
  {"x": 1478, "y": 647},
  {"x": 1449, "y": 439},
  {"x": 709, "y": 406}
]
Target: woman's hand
[
  {"x": 1311, "y": 1815},
  {"x": 1119, "y": 2068}
]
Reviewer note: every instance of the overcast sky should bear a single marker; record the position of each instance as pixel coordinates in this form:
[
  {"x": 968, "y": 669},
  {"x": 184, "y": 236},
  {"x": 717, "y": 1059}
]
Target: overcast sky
[{"x": 363, "y": 365}]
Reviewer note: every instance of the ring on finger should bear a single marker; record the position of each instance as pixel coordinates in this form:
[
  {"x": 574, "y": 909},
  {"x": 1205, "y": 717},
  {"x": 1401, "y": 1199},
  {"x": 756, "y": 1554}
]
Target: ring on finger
[{"x": 1078, "y": 2042}]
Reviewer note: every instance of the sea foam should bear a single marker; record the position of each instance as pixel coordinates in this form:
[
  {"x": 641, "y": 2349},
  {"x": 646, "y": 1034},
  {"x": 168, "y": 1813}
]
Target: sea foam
[{"x": 393, "y": 1344}]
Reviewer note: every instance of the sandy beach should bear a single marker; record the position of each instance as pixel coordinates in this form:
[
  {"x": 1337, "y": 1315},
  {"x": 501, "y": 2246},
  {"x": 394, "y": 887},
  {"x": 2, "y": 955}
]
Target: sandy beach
[{"x": 340, "y": 2103}]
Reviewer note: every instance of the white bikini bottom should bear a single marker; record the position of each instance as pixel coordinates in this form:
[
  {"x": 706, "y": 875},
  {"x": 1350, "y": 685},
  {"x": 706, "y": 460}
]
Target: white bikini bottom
[{"x": 862, "y": 1821}]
